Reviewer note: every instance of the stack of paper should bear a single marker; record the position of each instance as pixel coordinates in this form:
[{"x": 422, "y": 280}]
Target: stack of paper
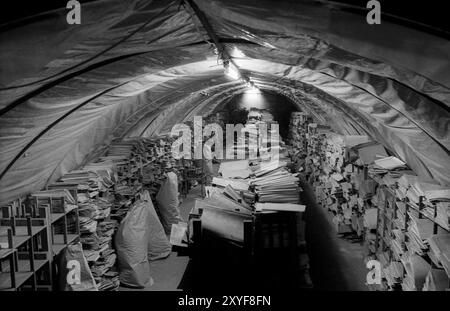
[
  {"x": 277, "y": 185},
  {"x": 280, "y": 207},
  {"x": 440, "y": 248},
  {"x": 416, "y": 271},
  {"x": 223, "y": 217},
  {"x": 238, "y": 185},
  {"x": 389, "y": 163},
  {"x": 393, "y": 273},
  {"x": 235, "y": 169},
  {"x": 419, "y": 231}
]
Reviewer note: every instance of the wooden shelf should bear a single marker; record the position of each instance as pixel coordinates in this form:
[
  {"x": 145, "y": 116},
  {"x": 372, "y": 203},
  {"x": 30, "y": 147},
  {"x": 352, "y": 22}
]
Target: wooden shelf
[
  {"x": 40, "y": 225},
  {"x": 6, "y": 252},
  {"x": 57, "y": 248},
  {"x": 24, "y": 265},
  {"x": 17, "y": 240},
  {"x": 5, "y": 279},
  {"x": 412, "y": 205},
  {"x": 58, "y": 243},
  {"x": 22, "y": 231},
  {"x": 56, "y": 216},
  {"x": 59, "y": 238}
]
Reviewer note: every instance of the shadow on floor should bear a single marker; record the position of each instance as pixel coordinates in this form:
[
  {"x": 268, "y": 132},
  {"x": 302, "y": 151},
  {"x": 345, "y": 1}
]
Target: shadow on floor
[{"x": 336, "y": 263}]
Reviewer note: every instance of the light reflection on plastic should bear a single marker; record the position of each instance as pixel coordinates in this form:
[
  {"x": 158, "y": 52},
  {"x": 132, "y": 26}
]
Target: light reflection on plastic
[
  {"x": 237, "y": 53},
  {"x": 232, "y": 72}
]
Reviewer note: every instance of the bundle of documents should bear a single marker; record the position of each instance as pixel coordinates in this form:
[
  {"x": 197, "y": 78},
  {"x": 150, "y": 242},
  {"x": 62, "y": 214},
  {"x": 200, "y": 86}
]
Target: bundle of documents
[
  {"x": 87, "y": 225},
  {"x": 417, "y": 270},
  {"x": 370, "y": 152},
  {"x": 440, "y": 249},
  {"x": 224, "y": 218},
  {"x": 280, "y": 207},
  {"x": 235, "y": 169},
  {"x": 419, "y": 231},
  {"x": 238, "y": 185},
  {"x": 297, "y": 131},
  {"x": 393, "y": 273},
  {"x": 108, "y": 281},
  {"x": 275, "y": 184}
]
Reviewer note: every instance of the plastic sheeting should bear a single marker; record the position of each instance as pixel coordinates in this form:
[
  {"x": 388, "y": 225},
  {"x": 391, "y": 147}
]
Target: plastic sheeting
[
  {"x": 167, "y": 199},
  {"x": 158, "y": 245},
  {"x": 136, "y": 67},
  {"x": 131, "y": 241}
]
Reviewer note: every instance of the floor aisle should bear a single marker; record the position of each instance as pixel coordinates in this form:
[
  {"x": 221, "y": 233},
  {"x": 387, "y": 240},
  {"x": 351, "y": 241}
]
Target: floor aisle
[{"x": 336, "y": 263}]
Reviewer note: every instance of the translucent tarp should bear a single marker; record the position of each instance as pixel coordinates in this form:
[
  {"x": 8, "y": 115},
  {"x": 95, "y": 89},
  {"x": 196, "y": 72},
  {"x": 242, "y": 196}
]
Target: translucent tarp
[{"x": 136, "y": 68}]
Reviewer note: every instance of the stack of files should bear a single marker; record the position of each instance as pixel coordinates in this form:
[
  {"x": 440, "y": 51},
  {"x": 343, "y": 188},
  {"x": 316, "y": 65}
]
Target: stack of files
[
  {"x": 89, "y": 209},
  {"x": 126, "y": 190},
  {"x": 105, "y": 262},
  {"x": 86, "y": 181},
  {"x": 441, "y": 199},
  {"x": 91, "y": 254},
  {"x": 238, "y": 185},
  {"x": 370, "y": 152},
  {"x": 267, "y": 167},
  {"x": 417, "y": 270},
  {"x": 105, "y": 172},
  {"x": 103, "y": 208},
  {"x": 438, "y": 195},
  {"x": 221, "y": 201},
  {"x": 108, "y": 281},
  {"x": 388, "y": 163},
  {"x": 235, "y": 196},
  {"x": 278, "y": 187},
  {"x": 90, "y": 241},
  {"x": 107, "y": 228},
  {"x": 419, "y": 231},
  {"x": 437, "y": 280},
  {"x": 370, "y": 218},
  {"x": 440, "y": 248},
  {"x": 87, "y": 225},
  {"x": 280, "y": 207},
  {"x": 79, "y": 177},
  {"x": 442, "y": 213},
  {"x": 211, "y": 190},
  {"x": 235, "y": 169},
  {"x": 397, "y": 244},
  {"x": 393, "y": 273},
  {"x": 391, "y": 178},
  {"x": 266, "y": 116},
  {"x": 221, "y": 218},
  {"x": 419, "y": 187},
  {"x": 121, "y": 148}
]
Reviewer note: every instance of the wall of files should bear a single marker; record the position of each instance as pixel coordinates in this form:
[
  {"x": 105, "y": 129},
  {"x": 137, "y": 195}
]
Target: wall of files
[{"x": 375, "y": 198}]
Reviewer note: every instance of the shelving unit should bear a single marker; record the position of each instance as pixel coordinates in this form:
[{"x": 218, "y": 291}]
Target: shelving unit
[
  {"x": 27, "y": 249},
  {"x": 386, "y": 224},
  {"x": 63, "y": 220}
]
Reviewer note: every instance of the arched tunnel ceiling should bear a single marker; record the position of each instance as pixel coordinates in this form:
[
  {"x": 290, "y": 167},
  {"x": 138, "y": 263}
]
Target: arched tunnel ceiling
[{"x": 139, "y": 67}]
